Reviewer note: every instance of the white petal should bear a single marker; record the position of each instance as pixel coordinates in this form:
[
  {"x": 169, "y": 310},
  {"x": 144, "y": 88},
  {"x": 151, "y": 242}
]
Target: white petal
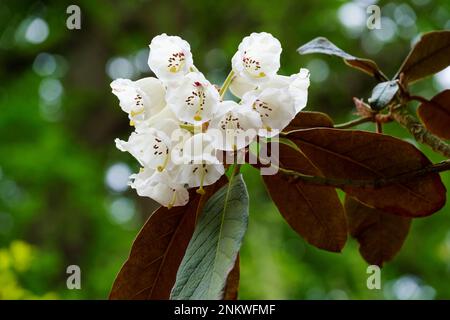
[
  {"x": 194, "y": 100},
  {"x": 179, "y": 138},
  {"x": 276, "y": 108},
  {"x": 240, "y": 86},
  {"x": 234, "y": 127},
  {"x": 199, "y": 149},
  {"x": 128, "y": 93},
  {"x": 197, "y": 175},
  {"x": 258, "y": 57},
  {"x": 151, "y": 148},
  {"x": 140, "y": 99},
  {"x": 296, "y": 84},
  {"x": 299, "y": 88},
  {"x": 156, "y": 93},
  {"x": 160, "y": 187},
  {"x": 170, "y": 57}
]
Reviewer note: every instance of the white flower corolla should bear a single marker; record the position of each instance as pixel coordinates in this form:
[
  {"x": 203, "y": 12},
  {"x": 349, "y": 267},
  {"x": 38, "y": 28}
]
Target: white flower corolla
[
  {"x": 258, "y": 57},
  {"x": 151, "y": 147},
  {"x": 276, "y": 108},
  {"x": 194, "y": 99},
  {"x": 200, "y": 175},
  {"x": 182, "y": 126},
  {"x": 234, "y": 127},
  {"x": 164, "y": 120},
  {"x": 170, "y": 57},
  {"x": 240, "y": 86},
  {"x": 297, "y": 85},
  {"x": 160, "y": 187},
  {"x": 141, "y": 99},
  {"x": 179, "y": 138},
  {"x": 201, "y": 166}
]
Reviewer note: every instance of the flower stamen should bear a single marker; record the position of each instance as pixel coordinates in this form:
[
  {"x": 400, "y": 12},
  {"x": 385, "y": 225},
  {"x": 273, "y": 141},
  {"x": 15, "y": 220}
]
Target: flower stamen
[
  {"x": 172, "y": 201},
  {"x": 176, "y": 62},
  {"x": 200, "y": 190}
]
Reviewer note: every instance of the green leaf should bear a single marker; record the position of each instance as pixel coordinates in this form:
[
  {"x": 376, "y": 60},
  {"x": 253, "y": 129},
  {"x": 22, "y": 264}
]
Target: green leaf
[
  {"x": 325, "y": 46},
  {"x": 382, "y": 94},
  {"x": 212, "y": 251},
  {"x": 430, "y": 55}
]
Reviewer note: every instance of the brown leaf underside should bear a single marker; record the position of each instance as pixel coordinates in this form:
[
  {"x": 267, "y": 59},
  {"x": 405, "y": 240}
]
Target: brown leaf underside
[
  {"x": 232, "y": 285},
  {"x": 309, "y": 119},
  {"x": 359, "y": 155},
  {"x": 314, "y": 212},
  {"x": 430, "y": 55},
  {"x": 380, "y": 235},
  {"x": 435, "y": 114},
  {"x": 157, "y": 251}
]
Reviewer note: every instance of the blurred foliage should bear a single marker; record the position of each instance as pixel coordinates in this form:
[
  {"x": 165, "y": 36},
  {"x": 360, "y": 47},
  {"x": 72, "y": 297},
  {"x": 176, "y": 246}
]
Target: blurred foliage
[
  {"x": 62, "y": 180},
  {"x": 19, "y": 264}
]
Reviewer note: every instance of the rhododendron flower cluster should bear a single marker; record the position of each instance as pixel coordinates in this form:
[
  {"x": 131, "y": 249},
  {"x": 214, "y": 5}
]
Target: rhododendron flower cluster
[{"x": 182, "y": 124}]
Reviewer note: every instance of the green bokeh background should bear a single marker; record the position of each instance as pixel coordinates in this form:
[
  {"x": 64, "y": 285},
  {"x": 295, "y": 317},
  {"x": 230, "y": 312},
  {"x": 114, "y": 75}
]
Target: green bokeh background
[{"x": 58, "y": 121}]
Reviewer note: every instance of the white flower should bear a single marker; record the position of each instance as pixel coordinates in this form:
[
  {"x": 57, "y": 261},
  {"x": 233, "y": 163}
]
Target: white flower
[
  {"x": 240, "y": 86},
  {"x": 200, "y": 175},
  {"x": 258, "y": 57},
  {"x": 199, "y": 149},
  {"x": 201, "y": 166},
  {"x": 297, "y": 85},
  {"x": 164, "y": 120},
  {"x": 179, "y": 138},
  {"x": 170, "y": 57},
  {"x": 141, "y": 99},
  {"x": 182, "y": 126},
  {"x": 193, "y": 99},
  {"x": 150, "y": 146},
  {"x": 160, "y": 187},
  {"x": 234, "y": 127},
  {"x": 276, "y": 108}
]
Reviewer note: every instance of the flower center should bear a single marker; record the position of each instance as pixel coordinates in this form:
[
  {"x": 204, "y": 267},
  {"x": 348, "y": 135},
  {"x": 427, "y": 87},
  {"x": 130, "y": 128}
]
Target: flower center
[
  {"x": 203, "y": 172},
  {"x": 176, "y": 62},
  {"x": 262, "y": 108},
  {"x": 230, "y": 122},
  {"x": 252, "y": 66},
  {"x": 159, "y": 148},
  {"x": 197, "y": 100}
]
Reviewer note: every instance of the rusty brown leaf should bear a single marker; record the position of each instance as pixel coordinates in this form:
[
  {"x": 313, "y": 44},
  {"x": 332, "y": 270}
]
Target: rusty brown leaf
[
  {"x": 360, "y": 155},
  {"x": 150, "y": 271},
  {"x": 380, "y": 234},
  {"x": 232, "y": 287},
  {"x": 309, "y": 119},
  {"x": 431, "y": 54},
  {"x": 435, "y": 114},
  {"x": 314, "y": 212}
]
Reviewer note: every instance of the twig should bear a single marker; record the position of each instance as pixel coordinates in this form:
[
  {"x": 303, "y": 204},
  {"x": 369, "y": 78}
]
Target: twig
[
  {"x": 419, "y": 132},
  {"x": 379, "y": 127},
  {"x": 353, "y": 123},
  {"x": 226, "y": 84},
  {"x": 418, "y": 98},
  {"x": 369, "y": 184}
]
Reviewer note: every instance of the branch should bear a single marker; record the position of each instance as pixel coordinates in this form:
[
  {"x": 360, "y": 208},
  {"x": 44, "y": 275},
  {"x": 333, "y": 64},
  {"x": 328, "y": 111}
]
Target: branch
[
  {"x": 419, "y": 132},
  {"x": 353, "y": 123},
  {"x": 369, "y": 184}
]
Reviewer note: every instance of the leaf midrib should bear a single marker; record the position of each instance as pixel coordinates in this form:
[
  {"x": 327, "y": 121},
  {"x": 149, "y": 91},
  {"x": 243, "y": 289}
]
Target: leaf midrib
[
  {"x": 227, "y": 195},
  {"x": 402, "y": 70},
  {"x": 338, "y": 155}
]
